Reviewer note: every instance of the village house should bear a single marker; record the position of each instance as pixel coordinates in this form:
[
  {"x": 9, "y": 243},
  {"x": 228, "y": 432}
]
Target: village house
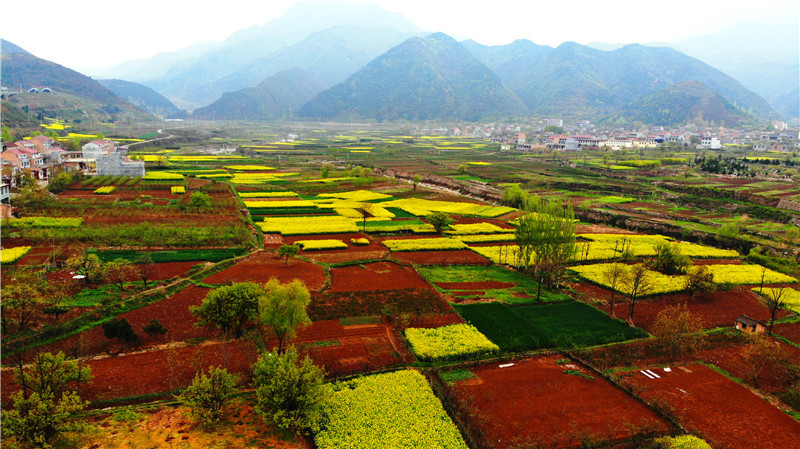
[
  {"x": 97, "y": 148},
  {"x": 749, "y": 325}
]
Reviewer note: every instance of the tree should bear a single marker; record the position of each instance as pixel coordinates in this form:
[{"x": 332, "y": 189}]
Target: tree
[
  {"x": 120, "y": 329},
  {"x": 699, "y": 279},
  {"x": 118, "y": 271},
  {"x": 669, "y": 260},
  {"x": 199, "y": 200},
  {"x": 614, "y": 274},
  {"x": 207, "y": 394},
  {"x": 439, "y": 220},
  {"x": 145, "y": 268},
  {"x": 674, "y": 328},
  {"x": 415, "y": 180},
  {"x": 776, "y": 300},
  {"x": 288, "y": 251},
  {"x": 6, "y": 135},
  {"x": 49, "y": 374},
  {"x": 229, "y": 307},
  {"x": 290, "y": 393},
  {"x": 22, "y": 297},
  {"x": 59, "y": 181},
  {"x": 792, "y": 234},
  {"x": 545, "y": 235},
  {"x": 514, "y": 196},
  {"x": 155, "y": 329},
  {"x": 87, "y": 265},
  {"x": 325, "y": 170},
  {"x": 462, "y": 169},
  {"x": 638, "y": 281},
  {"x": 37, "y": 420},
  {"x": 282, "y": 310},
  {"x": 763, "y": 355},
  {"x": 366, "y": 209},
  {"x": 31, "y": 195}
]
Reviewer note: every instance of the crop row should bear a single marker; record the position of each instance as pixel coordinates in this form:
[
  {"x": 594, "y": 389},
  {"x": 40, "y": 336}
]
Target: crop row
[
  {"x": 177, "y": 190},
  {"x": 453, "y": 342},
  {"x": 319, "y": 245},
  {"x": 356, "y": 195},
  {"x": 476, "y": 228},
  {"x": 485, "y": 238},
  {"x": 162, "y": 176},
  {"x": 104, "y": 190},
  {"x": 309, "y": 225},
  {"x": 11, "y": 255},
  {"x": 43, "y": 222},
  {"x": 660, "y": 283},
  {"x": 422, "y": 207},
  {"x": 397, "y": 410},
  {"x": 267, "y": 194},
  {"x": 258, "y": 178},
  {"x": 435, "y": 244},
  {"x": 249, "y": 167}
]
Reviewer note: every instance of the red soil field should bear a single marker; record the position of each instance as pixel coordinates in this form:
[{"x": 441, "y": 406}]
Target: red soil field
[
  {"x": 172, "y": 312},
  {"x": 480, "y": 285},
  {"x": 353, "y": 252},
  {"x": 431, "y": 321},
  {"x": 345, "y": 350},
  {"x": 535, "y": 402},
  {"x": 467, "y": 293},
  {"x": 169, "y": 270},
  {"x": 375, "y": 276},
  {"x": 261, "y": 266},
  {"x": 790, "y": 331},
  {"x": 457, "y": 257},
  {"x": 718, "y": 309},
  {"x": 721, "y": 411}
]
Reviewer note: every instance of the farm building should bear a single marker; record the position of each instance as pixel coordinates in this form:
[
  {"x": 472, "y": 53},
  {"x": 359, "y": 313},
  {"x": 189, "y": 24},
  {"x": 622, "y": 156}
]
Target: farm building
[{"x": 749, "y": 325}]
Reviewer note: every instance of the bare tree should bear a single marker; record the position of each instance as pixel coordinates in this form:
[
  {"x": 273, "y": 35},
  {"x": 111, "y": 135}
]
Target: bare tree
[
  {"x": 639, "y": 282},
  {"x": 614, "y": 275},
  {"x": 776, "y": 300}
]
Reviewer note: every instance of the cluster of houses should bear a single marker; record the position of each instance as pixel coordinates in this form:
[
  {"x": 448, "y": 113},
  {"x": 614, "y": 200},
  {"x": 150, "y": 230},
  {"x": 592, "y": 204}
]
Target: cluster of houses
[
  {"x": 785, "y": 140},
  {"x": 39, "y": 155}
]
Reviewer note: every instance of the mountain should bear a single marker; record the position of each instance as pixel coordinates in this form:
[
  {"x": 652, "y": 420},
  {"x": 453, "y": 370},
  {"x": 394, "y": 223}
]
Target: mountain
[
  {"x": 763, "y": 56},
  {"x": 247, "y": 47},
  {"x": 330, "y": 55},
  {"x": 574, "y": 79},
  {"x": 74, "y": 96},
  {"x": 144, "y": 97},
  {"x": 277, "y": 97},
  {"x": 685, "y": 101},
  {"x": 8, "y": 48},
  {"x": 140, "y": 70},
  {"x": 429, "y": 77}
]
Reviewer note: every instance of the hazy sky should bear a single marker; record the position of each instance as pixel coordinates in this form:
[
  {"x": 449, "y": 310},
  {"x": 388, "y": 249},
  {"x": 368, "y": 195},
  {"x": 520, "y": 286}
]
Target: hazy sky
[{"x": 85, "y": 34}]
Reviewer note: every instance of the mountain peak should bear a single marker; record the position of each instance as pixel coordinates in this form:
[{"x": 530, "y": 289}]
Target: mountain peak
[{"x": 8, "y": 48}]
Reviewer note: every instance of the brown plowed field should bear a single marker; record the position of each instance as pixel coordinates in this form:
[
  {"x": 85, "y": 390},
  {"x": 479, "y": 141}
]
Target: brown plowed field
[
  {"x": 718, "y": 409},
  {"x": 353, "y": 252},
  {"x": 172, "y": 312},
  {"x": 264, "y": 265},
  {"x": 535, "y": 402},
  {"x": 457, "y": 257},
  {"x": 431, "y": 321},
  {"x": 718, "y": 309},
  {"x": 345, "y": 350},
  {"x": 375, "y": 276}
]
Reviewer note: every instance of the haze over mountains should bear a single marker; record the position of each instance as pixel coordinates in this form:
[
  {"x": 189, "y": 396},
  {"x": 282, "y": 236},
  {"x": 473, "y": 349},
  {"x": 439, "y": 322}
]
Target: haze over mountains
[{"x": 345, "y": 61}]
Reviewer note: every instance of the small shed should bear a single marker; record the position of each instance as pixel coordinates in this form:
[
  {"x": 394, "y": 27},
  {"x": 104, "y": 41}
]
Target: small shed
[{"x": 749, "y": 325}]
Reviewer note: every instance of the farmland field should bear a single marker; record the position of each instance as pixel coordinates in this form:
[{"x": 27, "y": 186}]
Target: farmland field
[
  {"x": 702, "y": 400},
  {"x": 513, "y": 415},
  {"x": 564, "y": 325},
  {"x": 409, "y": 245}
]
